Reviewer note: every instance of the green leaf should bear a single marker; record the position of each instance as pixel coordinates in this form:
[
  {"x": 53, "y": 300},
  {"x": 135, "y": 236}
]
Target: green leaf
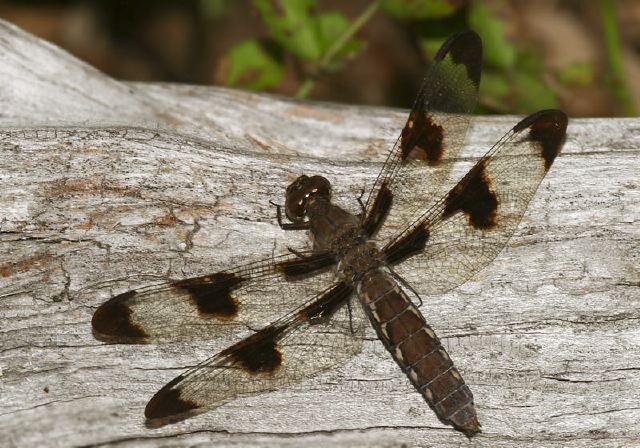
[
  {"x": 532, "y": 93},
  {"x": 331, "y": 26},
  {"x": 498, "y": 51},
  {"x": 529, "y": 61},
  {"x": 251, "y": 67},
  {"x": 213, "y": 9},
  {"x": 292, "y": 26},
  {"x": 420, "y": 9},
  {"x": 306, "y": 34},
  {"x": 494, "y": 91},
  {"x": 579, "y": 74}
]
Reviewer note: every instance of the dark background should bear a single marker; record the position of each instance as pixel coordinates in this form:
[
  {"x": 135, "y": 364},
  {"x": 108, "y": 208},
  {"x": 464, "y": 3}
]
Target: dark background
[{"x": 582, "y": 56}]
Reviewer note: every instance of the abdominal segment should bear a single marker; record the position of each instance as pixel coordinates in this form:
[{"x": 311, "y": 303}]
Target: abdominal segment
[{"x": 417, "y": 350}]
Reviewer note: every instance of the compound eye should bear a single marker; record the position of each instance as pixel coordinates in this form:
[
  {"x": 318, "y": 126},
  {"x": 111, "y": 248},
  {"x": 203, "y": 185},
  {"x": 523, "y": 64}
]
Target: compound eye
[
  {"x": 319, "y": 186},
  {"x": 297, "y": 184},
  {"x": 301, "y": 191},
  {"x": 296, "y": 199}
]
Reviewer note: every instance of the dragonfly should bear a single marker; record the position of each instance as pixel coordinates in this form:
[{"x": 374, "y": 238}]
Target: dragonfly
[{"x": 360, "y": 267}]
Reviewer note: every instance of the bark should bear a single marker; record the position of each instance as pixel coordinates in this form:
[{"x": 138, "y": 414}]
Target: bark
[{"x": 107, "y": 185}]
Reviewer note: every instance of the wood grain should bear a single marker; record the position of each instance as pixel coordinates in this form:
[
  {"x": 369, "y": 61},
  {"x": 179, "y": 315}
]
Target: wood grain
[{"x": 108, "y": 185}]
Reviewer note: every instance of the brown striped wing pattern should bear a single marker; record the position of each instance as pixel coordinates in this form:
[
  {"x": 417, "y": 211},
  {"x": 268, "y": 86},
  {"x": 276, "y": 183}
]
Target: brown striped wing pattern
[
  {"x": 313, "y": 328},
  {"x": 318, "y": 335},
  {"x": 469, "y": 226},
  {"x": 218, "y": 305},
  {"x": 446, "y": 245},
  {"x": 430, "y": 140}
]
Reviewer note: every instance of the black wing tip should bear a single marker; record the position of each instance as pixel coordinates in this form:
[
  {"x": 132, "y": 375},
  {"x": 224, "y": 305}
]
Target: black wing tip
[
  {"x": 466, "y": 37},
  {"x": 548, "y": 128},
  {"x": 555, "y": 116},
  {"x": 465, "y": 48},
  {"x": 111, "y": 322},
  {"x": 167, "y": 406}
]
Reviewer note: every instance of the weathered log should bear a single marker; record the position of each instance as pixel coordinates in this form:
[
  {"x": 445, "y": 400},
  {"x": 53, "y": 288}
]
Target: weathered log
[{"x": 106, "y": 186}]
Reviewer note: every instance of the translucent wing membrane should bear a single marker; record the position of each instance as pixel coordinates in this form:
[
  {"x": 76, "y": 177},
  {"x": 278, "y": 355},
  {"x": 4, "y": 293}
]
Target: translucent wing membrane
[
  {"x": 320, "y": 334},
  {"x": 436, "y": 244},
  {"x": 216, "y": 305},
  {"x": 467, "y": 228},
  {"x": 432, "y": 137}
]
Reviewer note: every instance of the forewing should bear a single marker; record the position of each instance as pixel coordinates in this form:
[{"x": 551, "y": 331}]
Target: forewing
[
  {"x": 217, "y": 305},
  {"x": 467, "y": 228},
  {"x": 431, "y": 139},
  {"x": 317, "y": 336}
]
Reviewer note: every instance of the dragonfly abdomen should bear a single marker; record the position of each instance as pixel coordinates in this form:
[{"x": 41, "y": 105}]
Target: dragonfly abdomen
[{"x": 417, "y": 350}]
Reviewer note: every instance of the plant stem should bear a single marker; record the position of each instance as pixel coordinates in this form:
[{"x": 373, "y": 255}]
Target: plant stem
[
  {"x": 612, "y": 42},
  {"x": 308, "y": 84}
]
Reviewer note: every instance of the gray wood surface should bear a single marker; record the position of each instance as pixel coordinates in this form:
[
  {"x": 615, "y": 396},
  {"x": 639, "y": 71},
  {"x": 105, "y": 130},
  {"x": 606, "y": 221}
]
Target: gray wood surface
[{"x": 106, "y": 186}]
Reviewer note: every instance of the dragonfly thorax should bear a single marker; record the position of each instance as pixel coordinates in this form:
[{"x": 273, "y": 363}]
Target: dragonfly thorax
[{"x": 358, "y": 260}]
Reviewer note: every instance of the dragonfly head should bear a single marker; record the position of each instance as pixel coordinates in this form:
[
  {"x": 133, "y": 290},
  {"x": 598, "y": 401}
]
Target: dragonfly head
[{"x": 301, "y": 191}]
